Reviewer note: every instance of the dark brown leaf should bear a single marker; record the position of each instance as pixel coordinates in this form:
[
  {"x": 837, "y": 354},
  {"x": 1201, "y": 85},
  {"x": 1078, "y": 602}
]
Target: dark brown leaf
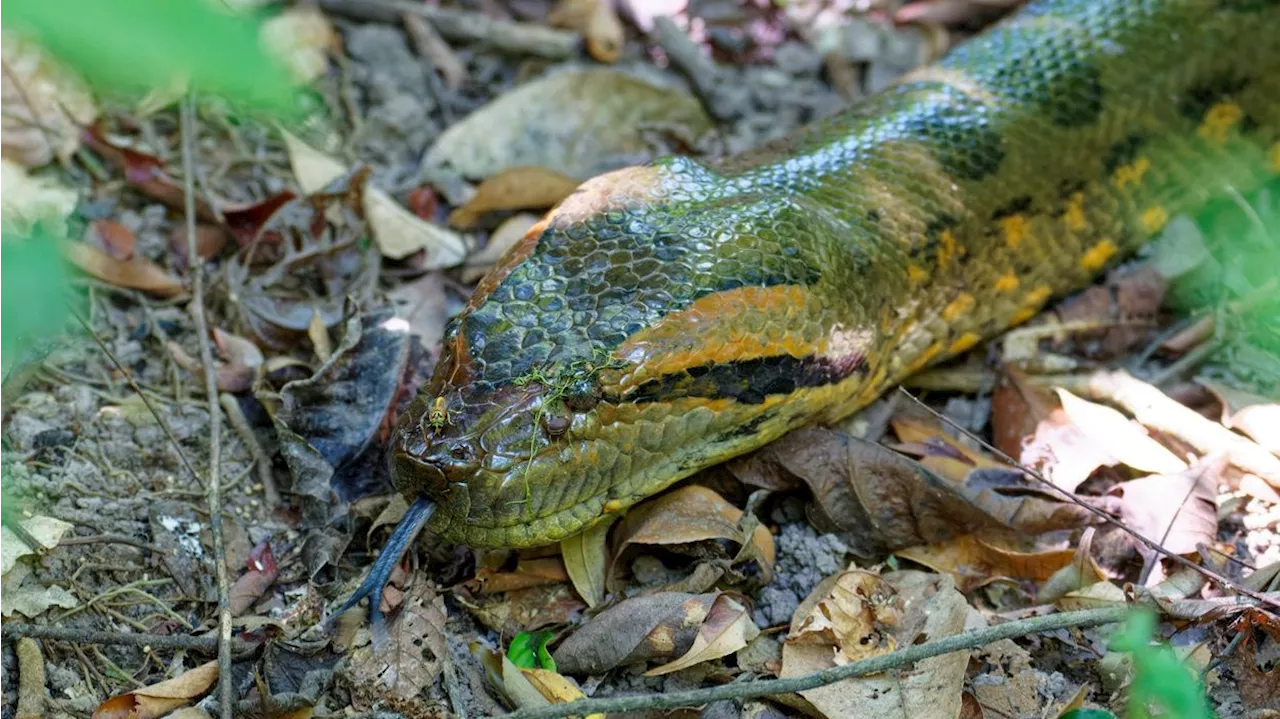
[{"x": 661, "y": 625}]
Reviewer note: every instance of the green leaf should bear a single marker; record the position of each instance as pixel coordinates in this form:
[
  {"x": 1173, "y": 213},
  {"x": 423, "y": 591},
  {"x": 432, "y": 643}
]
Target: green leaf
[
  {"x": 1159, "y": 679},
  {"x": 528, "y": 650},
  {"x": 138, "y": 45},
  {"x": 32, "y": 283},
  {"x": 1083, "y": 713}
]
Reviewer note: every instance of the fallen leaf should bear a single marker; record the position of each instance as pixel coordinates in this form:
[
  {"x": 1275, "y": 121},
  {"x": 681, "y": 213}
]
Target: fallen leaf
[
  {"x": 301, "y": 38},
  {"x": 586, "y": 557},
  {"x": 237, "y": 350},
  {"x": 1082, "y": 572},
  {"x": 639, "y": 629},
  {"x": 1119, "y": 436},
  {"x": 528, "y": 573},
  {"x": 854, "y": 612},
  {"x": 556, "y": 688},
  {"x": 938, "y": 451},
  {"x": 45, "y": 104},
  {"x": 146, "y": 173},
  {"x": 515, "y": 188},
  {"x": 1255, "y": 415},
  {"x": 1018, "y": 406},
  {"x": 413, "y": 656},
  {"x": 245, "y": 222},
  {"x": 112, "y": 238},
  {"x": 596, "y": 20},
  {"x": 319, "y": 336},
  {"x": 28, "y": 200},
  {"x": 47, "y": 531},
  {"x": 1124, "y": 309},
  {"x": 973, "y": 563},
  {"x": 32, "y": 600},
  {"x": 579, "y": 123},
  {"x": 501, "y": 239},
  {"x": 138, "y": 273},
  {"x": 1063, "y": 453},
  {"x": 210, "y": 240},
  {"x": 250, "y": 586},
  {"x": 160, "y": 699},
  {"x": 689, "y": 515},
  {"x": 519, "y": 689},
  {"x": 398, "y": 232},
  {"x": 423, "y": 304},
  {"x": 929, "y": 689},
  {"x": 1177, "y": 511},
  {"x": 727, "y": 628},
  {"x": 529, "y": 609}
]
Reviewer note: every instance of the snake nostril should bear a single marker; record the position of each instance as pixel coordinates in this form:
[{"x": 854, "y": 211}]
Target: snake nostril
[{"x": 462, "y": 451}]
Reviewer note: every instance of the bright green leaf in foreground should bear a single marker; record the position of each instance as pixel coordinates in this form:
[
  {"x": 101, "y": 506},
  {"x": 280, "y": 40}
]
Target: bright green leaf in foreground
[
  {"x": 1159, "y": 679},
  {"x": 139, "y": 45},
  {"x": 32, "y": 293},
  {"x": 528, "y": 650}
]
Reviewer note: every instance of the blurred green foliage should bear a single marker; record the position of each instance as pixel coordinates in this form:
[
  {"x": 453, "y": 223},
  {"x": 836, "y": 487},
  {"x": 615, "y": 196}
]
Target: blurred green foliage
[
  {"x": 1160, "y": 680},
  {"x": 32, "y": 294}
]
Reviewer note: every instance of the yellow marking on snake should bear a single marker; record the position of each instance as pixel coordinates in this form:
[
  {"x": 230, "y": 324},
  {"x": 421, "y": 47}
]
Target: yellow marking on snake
[
  {"x": 1007, "y": 283},
  {"x": 1131, "y": 174},
  {"x": 1074, "y": 216},
  {"x": 1098, "y": 255},
  {"x": 1154, "y": 219},
  {"x": 1219, "y": 120},
  {"x": 1015, "y": 230},
  {"x": 964, "y": 342},
  {"x": 961, "y": 305}
]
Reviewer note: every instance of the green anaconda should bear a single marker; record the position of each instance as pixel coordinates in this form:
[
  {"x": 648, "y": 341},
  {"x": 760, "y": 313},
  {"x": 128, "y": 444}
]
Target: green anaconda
[{"x": 667, "y": 317}]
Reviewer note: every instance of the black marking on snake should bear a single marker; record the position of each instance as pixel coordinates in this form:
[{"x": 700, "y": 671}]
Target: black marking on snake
[
  {"x": 748, "y": 381},
  {"x": 1019, "y": 205},
  {"x": 955, "y": 127},
  {"x": 1197, "y": 101},
  {"x": 748, "y": 428},
  {"x": 1123, "y": 152}
]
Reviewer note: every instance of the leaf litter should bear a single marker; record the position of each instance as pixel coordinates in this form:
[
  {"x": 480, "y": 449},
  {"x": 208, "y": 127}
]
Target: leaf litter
[{"x": 333, "y": 276}]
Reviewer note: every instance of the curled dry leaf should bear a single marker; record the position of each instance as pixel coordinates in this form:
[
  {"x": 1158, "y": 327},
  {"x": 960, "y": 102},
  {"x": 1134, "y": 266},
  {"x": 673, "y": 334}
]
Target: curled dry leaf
[
  {"x": 689, "y": 515},
  {"x": 398, "y": 232},
  {"x": 251, "y": 585},
  {"x": 973, "y": 562},
  {"x": 210, "y": 239},
  {"x": 556, "y": 688},
  {"x": 579, "y": 123},
  {"x": 937, "y": 450},
  {"x": 856, "y": 612},
  {"x": 925, "y": 606},
  {"x": 515, "y": 188},
  {"x": 727, "y": 628},
  {"x": 649, "y": 627},
  {"x": 1254, "y": 415},
  {"x": 596, "y": 20},
  {"x": 1177, "y": 511},
  {"x": 527, "y": 610},
  {"x": 45, "y": 105},
  {"x": 138, "y": 273},
  {"x": 424, "y": 305},
  {"x": 160, "y": 699},
  {"x": 1082, "y": 572},
  {"x": 528, "y": 573},
  {"x": 146, "y": 173},
  {"x": 1119, "y": 436}
]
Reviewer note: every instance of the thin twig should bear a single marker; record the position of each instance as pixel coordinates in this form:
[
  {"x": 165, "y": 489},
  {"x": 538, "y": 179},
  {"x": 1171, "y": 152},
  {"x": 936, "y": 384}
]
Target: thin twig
[
  {"x": 238, "y": 422},
  {"x": 196, "y": 267},
  {"x": 133, "y": 383},
  {"x": 155, "y": 641},
  {"x": 875, "y": 665},
  {"x": 110, "y": 539},
  {"x": 1206, "y": 572}
]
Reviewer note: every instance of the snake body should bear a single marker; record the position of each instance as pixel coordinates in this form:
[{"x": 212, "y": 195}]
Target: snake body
[{"x": 670, "y": 316}]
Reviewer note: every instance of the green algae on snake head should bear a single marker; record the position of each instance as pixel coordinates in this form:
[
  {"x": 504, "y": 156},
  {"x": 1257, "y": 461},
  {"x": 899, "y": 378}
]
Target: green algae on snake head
[{"x": 739, "y": 299}]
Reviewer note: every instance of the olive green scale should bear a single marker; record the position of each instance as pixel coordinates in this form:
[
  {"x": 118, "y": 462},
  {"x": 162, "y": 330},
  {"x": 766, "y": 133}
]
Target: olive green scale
[{"x": 742, "y": 298}]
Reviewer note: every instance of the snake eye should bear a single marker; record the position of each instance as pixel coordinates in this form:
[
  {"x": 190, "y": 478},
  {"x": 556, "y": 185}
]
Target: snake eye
[
  {"x": 555, "y": 424},
  {"x": 582, "y": 395}
]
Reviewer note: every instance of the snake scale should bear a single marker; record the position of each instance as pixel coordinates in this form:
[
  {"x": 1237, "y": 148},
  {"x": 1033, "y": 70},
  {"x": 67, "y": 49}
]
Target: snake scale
[{"x": 670, "y": 316}]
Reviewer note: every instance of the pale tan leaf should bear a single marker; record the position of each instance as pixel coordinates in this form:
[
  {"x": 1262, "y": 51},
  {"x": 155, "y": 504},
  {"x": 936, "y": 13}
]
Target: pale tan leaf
[
  {"x": 1094, "y": 596},
  {"x": 319, "y": 336},
  {"x": 973, "y": 563},
  {"x": 515, "y": 188},
  {"x": 28, "y": 200},
  {"x": 45, "y": 105},
  {"x": 1177, "y": 510},
  {"x": 32, "y": 600},
  {"x": 502, "y": 239},
  {"x": 854, "y": 614},
  {"x": 727, "y": 628},
  {"x": 138, "y": 273},
  {"x": 1121, "y": 437},
  {"x": 519, "y": 689},
  {"x": 163, "y": 698},
  {"x": 556, "y": 688},
  {"x": 301, "y": 37},
  {"x": 586, "y": 557},
  {"x": 411, "y": 658},
  {"x": 45, "y": 530},
  {"x": 398, "y": 232}
]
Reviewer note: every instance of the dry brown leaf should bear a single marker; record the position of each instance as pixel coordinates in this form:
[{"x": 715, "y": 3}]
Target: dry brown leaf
[
  {"x": 527, "y": 610},
  {"x": 138, "y": 273},
  {"x": 586, "y": 558},
  {"x": 398, "y": 232},
  {"x": 929, "y": 689},
  {"x": 973, "y": 563},
  {"x": 596, "y": 20},
  {"x": 45, "y": 105},
  {"x": 1119, "y": 436},
  {"x": 528, "y": 573},
  {"x": 1017, "y": 408},
  {"x": 319, "y": 336},
  {"x": 855, "y": 613},
  {"x": 937, "y": 450},
  {"x": 112, "y": 238},
  {"x": 502, "y": 239},
  {"x": 692, "y": 514},
  {"x": 1082, "y": 572},
  {"x": 727, "y": 628},
  {"x": 515, "y": 188},
  {"x": 556, "y": 688},
  {"x": 160, "y": 699},
  {"x": 412, "y": 658},
  {"x": 649, "y": 627}
]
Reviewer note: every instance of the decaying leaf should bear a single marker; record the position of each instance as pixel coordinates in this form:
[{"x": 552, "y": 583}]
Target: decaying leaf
[
  {"x": 925, "y": 606},
  {"x": 1177, "y": 510},
  {"x": 690, "y": 515},
  {"x": 33, "y": 599},
  {"x": 423, "y": 304},
  {"x": 160, "y": 699},
  {"x": 881, "y": 501},
  {"x": 45, "y": 105},
  {"x": 936, "y": 450},
  {"x": 398, "y": 232},
  {"x": 727, "y": 628},
  {"x": 528, "y": 573},
  {"x": 412, "y": 658},
  {"x": 1082, "y": 572},
  {"x": 138, "y": 273},
  {"x": 27, "y": 200},
  {"x": 529, "y": 609},
  {"x": 515, "y": 188},
  {"x": 649, "y": 627},
  {"x": 1119, "y": 436},
  {"x": 578, "y": 123},
  {"x": 855, "y": 611},
  {"x": 973, "y": 563},
  {"x": 145, "y": 172},
  {"x": 47, "y": 531},
  {"x": 586, "y": 558},
  {"x": 251, "y": 585}
]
